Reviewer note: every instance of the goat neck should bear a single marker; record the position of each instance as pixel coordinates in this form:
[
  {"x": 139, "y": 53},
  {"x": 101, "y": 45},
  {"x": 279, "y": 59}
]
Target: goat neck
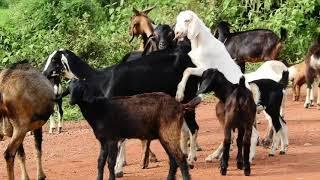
[
  {"x": 80, "y": 68},
  {"x": 201, "y": 38},
  {"x": 224, "y": 90}
]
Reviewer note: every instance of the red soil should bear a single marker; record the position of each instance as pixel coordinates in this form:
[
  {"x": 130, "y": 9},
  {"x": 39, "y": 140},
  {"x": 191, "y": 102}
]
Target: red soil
[{"x": 73, "y": 153}]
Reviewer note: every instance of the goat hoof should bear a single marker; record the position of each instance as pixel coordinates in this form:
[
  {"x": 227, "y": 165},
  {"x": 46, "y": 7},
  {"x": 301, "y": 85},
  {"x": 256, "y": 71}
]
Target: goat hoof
[
  {"x": 153, "y": 159},
  {"x": 195, "y": 158},
  {"x": 199, "y": 149},
  {"x": 247, "y": 171},
  {"x": 282, "y": 153},
  {"x": 51, "y": 130},
  {"x": 271, "y": 155},
  {"x": 191, "y": 166},
  {"x": 223, "y": 171},
  {"x": 119, "y": 174},
  {"x": 240, "y": 165},
  {"x": 124, "y": 163},
  {"x": 41, "y": 177},
  {"x": 266, "y": 143},
  {"x": 59, "y": 130},
  {"x": 306, "y": 105}
]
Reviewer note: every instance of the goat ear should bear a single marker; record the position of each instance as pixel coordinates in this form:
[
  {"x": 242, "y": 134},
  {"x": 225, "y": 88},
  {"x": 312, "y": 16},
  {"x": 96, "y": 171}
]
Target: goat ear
[
  {"x": 146, "y": 11},
  {"x": 193, "y": 29}
]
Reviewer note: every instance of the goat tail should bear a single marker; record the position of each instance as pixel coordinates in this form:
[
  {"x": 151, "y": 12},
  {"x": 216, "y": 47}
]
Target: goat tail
[
  {"x": 242, "y": 81},
  {"x": 284, "y": 79},
  {"x": 191, "y": 105},
  {"x": 283, "y": 34}
]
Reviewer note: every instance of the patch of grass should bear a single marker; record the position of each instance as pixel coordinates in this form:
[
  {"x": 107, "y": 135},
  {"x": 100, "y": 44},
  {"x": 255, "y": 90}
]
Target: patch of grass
[{"x": 4, "y": 14}]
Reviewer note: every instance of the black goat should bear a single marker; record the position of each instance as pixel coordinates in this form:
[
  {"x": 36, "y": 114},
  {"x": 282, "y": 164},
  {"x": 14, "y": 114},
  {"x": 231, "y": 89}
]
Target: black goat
[
  {"x": 145, "y": 116},
  {"x": 161, "y": 40},
  {"x": 56, "y": 82},
  {"x": 236, "y": 109},
  {"x": 250, "y": 46},
  {"x": 157, "y": 72},
  {"x": 270, "y": 96}
]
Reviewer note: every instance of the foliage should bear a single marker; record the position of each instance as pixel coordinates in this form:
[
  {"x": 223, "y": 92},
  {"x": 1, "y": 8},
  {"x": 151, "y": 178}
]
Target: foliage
[{"x": 97, "y": 30}]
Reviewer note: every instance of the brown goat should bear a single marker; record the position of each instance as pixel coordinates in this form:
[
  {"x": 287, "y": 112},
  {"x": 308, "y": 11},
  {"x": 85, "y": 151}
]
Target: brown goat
[
  {"x": 236, "y": 109},
  {"x": 312, "y": 61},
  {"x": 141, "y": 24},
  {"x": 26, "y": 103},
  {"x": 298, "y": 78}
]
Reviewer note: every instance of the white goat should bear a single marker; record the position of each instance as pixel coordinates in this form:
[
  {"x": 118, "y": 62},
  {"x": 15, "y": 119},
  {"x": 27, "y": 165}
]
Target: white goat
[{"x": 206, "y": 52}]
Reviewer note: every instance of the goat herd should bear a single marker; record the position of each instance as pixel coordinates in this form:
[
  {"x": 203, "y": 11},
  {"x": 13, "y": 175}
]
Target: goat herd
[{"x": 140, "y": 97}]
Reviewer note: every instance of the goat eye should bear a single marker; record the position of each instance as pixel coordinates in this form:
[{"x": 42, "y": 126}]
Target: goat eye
[{"x": 187, "y": 20}]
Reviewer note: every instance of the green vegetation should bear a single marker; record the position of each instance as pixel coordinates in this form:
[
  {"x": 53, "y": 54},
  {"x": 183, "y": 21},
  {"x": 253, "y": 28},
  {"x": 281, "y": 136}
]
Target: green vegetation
[{"x": 97, "y": 30}]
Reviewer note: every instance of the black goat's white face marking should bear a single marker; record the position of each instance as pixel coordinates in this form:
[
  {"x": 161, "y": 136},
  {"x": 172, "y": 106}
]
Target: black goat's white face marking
[
  {"x": 67, "y": 71},
  {"x": 49, "y": 60}
]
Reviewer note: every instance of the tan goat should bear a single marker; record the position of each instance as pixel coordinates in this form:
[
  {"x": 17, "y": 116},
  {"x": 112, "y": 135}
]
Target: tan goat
[{"x": 26, "y": 103}]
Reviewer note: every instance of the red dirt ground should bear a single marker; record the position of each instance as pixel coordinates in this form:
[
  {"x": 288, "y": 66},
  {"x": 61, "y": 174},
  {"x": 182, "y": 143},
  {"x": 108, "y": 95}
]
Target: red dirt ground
[{"x": 73, "y": 154}]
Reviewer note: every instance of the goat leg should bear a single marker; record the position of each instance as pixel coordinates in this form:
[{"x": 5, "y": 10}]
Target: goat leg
[
  {"x": 102, "y": 159},
  {"x": 246, "y": 150},
  {"x": 145, "y": 154},
  {"x": 22, "y": 158},
  {"x": 239, "y": 145},
  {"x": 38, "y": 146},
  {"x": 11, "y": 150},
  {"x": 153, "y": 157},
  {"x": 112, "y": 157},
  {"x": 226, "y": 150}
]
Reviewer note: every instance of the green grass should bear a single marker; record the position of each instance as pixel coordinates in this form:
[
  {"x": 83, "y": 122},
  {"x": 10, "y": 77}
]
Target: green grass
[{"x": 4, "y": 14}]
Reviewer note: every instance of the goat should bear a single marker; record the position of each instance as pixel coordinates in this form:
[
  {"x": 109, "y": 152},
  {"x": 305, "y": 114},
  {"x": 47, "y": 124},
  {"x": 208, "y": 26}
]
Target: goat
[
  {"x": 270, "y": 95},
  {"x": 236, "y": 109},
  {"x": 26, "y": 103},
  {"x": 312, "y": 61},
  {"x": 145, "y": 116},
  {"x": 252, "y": 45},
  {"x": 206, "y": 51},
  {"x": 56, "y": 82},
  {"x": 298, "y": 78},
  {"x": 267, "y": 93},
  {"x": 162, "y": 39},
  {"x": 141, "y": 25},
  {"x": 131, "y": 78}
]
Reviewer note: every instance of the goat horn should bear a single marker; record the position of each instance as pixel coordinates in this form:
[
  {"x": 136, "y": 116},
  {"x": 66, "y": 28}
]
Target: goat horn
[{"x": 146, "y": 11}]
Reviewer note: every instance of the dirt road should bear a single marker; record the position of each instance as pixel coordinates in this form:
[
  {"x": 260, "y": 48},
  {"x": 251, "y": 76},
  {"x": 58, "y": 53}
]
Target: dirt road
[{"x": 73, "y": 154}]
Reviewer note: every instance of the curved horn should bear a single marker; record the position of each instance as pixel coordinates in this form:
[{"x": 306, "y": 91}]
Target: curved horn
[{"x": 146, "y": 11}]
